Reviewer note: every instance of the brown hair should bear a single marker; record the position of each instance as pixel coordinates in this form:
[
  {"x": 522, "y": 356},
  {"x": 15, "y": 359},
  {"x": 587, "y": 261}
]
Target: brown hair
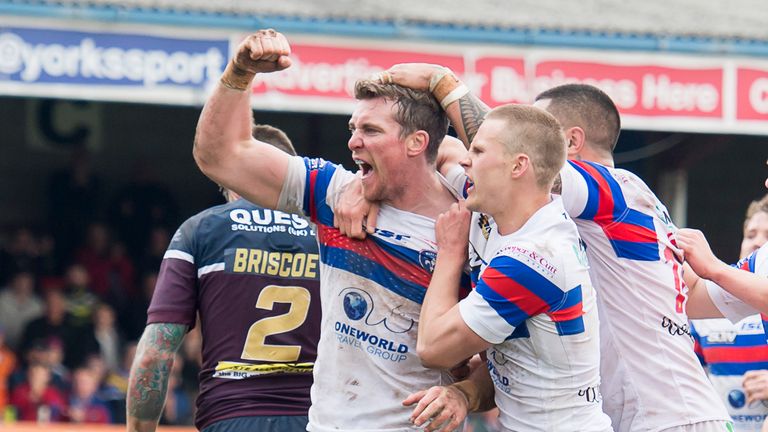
[
  {"x": 416, "y": 110},
  {"x": 536, "y": 133},
  {"x": 274, "y": 136},
  {"x": 589, "y": 108}
]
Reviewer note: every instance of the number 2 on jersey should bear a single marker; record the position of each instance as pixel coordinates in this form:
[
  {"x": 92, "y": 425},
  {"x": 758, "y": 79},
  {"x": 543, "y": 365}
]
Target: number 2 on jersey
[{"x": 256, "y": 347}]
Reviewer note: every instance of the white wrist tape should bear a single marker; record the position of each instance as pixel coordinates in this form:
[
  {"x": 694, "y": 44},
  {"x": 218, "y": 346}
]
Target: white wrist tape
[{"x": 455, "y": 94}]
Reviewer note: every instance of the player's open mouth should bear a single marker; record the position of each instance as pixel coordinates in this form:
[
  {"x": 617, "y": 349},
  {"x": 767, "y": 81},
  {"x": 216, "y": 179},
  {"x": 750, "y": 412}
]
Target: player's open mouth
[{"x": 365, "y": 168}]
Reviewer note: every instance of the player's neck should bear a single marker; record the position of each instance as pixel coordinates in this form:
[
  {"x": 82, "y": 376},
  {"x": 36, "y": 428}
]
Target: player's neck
[
  {"x": 520, "y": 209},
  {"x": 595, "y": 156},
  {"x": 424, "y": 194}
]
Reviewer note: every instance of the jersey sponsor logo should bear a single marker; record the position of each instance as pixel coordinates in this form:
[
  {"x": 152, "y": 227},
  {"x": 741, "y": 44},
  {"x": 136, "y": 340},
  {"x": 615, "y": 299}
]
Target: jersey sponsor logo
[
  {"x": 392, "y": 235},
  {"x": 427, "y": 260},
  {"x": 757, "y": 419},
  {"x": 737, "y": 398},
  {"x": 674, "y": 328},
  {"x": 722, "y": 337},
  {"x": 532, "y": 258},
  {"x": 358, "y": 305},
  {"x": 591, "y": 394},
  {"x": 373, "y": 344},
  {"x": 269, "y": 221},
  {"x": 283, "y": 264},
  {"x": 355, "y": 306},
  {"x": 237, "y": 370},
  {"x": 500, "y": 381},
  {"x": 581, "y": 252}
]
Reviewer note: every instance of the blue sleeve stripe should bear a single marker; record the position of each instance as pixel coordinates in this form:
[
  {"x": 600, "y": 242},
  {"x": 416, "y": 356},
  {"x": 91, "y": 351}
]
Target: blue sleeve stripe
[
  {"x": 593, "y": 193},
  {"x": 319, "y": 175},
  {"x": 507, "y": 310},
  {"x": 529, "y": 278}
]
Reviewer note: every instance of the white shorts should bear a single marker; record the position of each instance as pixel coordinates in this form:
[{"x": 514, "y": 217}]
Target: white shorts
[{"x": 707, "y": 426}]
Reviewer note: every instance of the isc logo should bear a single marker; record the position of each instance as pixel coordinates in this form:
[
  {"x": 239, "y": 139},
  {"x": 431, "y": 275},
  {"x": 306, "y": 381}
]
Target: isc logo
[{"x": 267, "y": 217}]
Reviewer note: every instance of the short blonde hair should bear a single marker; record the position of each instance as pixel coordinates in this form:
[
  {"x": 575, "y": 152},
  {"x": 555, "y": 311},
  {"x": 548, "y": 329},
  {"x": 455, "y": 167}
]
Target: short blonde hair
[
  {"x": 536, "y": 133},
  {"x": 755, "y": 207}
]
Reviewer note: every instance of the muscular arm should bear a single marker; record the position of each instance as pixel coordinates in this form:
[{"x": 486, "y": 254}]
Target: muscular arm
[
  {"x": 699, "y": 304},
  {"x": 224, "y": 149},
  {"x": 750, "y": 288},
  {"x": 444, "y": 338},
  {"x": 148, "y": 380},
  {"x": 466, "y": 116}
]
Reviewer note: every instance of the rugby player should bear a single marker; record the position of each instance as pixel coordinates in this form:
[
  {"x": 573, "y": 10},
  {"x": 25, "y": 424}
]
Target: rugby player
[{"x": 371, "y": 291}]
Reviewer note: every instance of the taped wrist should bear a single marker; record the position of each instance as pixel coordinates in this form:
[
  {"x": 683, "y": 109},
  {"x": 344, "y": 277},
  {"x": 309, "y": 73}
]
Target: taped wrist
[
  {"x": 470, "y": 392},
  {"x": 446, "y": 87},
  {"x": 236, "y": 78}
]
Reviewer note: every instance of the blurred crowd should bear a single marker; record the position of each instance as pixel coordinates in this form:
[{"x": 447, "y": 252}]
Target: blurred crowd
[{"x": 74, "y": 297}]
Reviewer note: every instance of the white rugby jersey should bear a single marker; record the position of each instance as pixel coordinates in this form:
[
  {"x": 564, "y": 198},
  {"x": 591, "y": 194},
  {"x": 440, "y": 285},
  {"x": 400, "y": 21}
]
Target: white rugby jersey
[
  {"x": 534, "y": 301},
  {"x": 371, "y": 293},
  {"x": 729, "y": 351},
  {"x": 651, "y": 378}
]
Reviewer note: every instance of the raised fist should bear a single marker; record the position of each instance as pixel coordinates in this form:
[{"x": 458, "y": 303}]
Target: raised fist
[{"x": 263, "y": 51}]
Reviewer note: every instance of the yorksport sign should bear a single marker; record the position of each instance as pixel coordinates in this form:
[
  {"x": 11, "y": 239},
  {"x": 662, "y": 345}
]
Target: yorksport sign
[{"x": 109, "y": 66}]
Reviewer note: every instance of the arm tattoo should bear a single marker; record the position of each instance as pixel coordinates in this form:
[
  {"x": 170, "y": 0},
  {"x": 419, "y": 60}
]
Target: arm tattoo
[
  {"x": 557, "y": 188},
  {"x": 151, "y": 368},
  {"x": 473, "y": 111}
]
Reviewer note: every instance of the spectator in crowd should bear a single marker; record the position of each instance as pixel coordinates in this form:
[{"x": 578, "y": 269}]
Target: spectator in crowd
[
  {"x": 74, "y": 200},
  {"x": 159, "y": 237},
  {"x": 107, "y": 336},
  {"x": 111, "y": 272},
  {"x": 18, "y": 306},
  {"x": 115, "y": 384},
  {"x": 55, "y": 323},
  {"x": 139, "y": 206},
  {"x": 36, "y": 399},
  {"x": 84, "y": 404},
  {"x": 178, "y": 401},
  {"x": 7, "y": 365},
  {"x": 80, "y": 299},
  {"x": 134, "y": 313},
  {"x": 21, "y": 254}
]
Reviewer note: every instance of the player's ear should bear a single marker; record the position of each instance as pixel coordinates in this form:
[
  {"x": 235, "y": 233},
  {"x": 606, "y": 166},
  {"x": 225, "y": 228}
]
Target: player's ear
[
  {"x": 521, "y": 163},
  {"x": 416, "y": 143},
  {"x": 575, "y": 139}
]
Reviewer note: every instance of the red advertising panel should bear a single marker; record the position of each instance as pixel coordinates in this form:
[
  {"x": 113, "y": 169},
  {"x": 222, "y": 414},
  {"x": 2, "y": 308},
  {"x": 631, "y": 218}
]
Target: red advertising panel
[
  {"x": 642, "y": 90},
  {"x": 752, "y": 94},
  {"x": 331, "y": 70},
  {"x": 502, "y": 80}
]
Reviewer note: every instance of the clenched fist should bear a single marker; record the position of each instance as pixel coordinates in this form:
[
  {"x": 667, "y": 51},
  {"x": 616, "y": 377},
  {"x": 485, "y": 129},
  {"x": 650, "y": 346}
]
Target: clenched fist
[{"x": 263, "y": 51}]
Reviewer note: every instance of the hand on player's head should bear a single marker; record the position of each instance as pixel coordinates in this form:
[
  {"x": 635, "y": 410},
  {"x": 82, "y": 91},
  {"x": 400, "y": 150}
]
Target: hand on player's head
[
  {"x": 415, "y": 76},
  {"x": 263, "y": 51}
]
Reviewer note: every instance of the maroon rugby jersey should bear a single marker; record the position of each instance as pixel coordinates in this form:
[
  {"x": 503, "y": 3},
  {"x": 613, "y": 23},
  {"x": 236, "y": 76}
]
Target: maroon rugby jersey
[{"x": 252, "y": 275}]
